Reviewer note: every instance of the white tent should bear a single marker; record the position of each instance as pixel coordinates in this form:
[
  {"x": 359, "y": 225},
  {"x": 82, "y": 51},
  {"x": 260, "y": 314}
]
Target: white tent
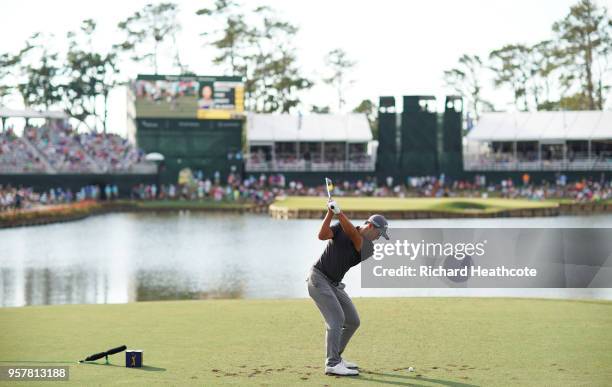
[
  {"x": 543, "y": 126},
  {"x": 266, "y": 129}
]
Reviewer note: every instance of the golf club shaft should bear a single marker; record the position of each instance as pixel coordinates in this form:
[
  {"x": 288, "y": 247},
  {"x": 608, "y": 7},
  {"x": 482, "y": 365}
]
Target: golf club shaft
[
  {"x": 116, "y": 350},
  {"x": 95, "y": 356},
  {"x": 329, "y": 186}
]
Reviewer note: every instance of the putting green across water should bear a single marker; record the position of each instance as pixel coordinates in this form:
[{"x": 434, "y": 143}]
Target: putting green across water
[
  {"x": 455, "y": 342},
  {"x": 413, "y": 204}
]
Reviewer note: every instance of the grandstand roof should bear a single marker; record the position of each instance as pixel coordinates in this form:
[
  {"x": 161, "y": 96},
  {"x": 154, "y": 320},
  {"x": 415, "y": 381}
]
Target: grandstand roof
[
  {"x": 31, "y": 113},
  {"x": 269, "y": 128},
  {"x": 543, "y": 126}
]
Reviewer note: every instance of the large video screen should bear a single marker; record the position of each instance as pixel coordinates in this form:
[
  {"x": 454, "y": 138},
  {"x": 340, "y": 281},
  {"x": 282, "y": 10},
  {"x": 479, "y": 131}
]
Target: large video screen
[{"x": 202, "y": 97}]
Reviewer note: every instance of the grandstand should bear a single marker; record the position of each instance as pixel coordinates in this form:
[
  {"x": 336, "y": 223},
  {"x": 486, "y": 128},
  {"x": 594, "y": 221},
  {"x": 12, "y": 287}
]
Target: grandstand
[
  {"x": 61, "y": 148},
  {"x": 56, "y": 148},
  {"x": 112, "y": 152},
  {"x": 316, "y": 142},
  {"x": 541, "y": 141},
  {"x": 18, "y": 156},
  {"x": 306, "y": 147}
]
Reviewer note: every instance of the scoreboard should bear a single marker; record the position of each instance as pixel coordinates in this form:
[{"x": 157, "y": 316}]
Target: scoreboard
[
  {"x": 200, "y": 97},
  {"x": 196, "y": 122}
]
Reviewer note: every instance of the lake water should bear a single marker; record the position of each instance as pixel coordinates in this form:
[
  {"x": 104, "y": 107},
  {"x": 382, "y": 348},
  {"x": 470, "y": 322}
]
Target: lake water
[{"x": 129, "y": 257}]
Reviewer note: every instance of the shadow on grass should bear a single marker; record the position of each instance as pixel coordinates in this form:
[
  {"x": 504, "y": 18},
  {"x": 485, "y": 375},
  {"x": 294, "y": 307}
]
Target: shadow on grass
[
  {"x": 37, "y": 362},
  {"x": 150, "y": 368},
  {"x": 143, "y": 368},
  {"x": 411, "y": 380}
]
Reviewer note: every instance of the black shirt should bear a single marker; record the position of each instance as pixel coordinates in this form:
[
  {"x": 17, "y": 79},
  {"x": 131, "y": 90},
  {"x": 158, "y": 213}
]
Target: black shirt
[{"x": 340, "y": 254}]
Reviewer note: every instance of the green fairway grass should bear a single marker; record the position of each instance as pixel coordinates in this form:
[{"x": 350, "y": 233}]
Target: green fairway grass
[
  {"x": 459, "y": 205},
  {"x": 457, "y": 342}
]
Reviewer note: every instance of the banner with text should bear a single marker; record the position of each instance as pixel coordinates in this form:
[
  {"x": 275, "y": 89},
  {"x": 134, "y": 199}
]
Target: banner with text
[{"x": 490, "y": 258}]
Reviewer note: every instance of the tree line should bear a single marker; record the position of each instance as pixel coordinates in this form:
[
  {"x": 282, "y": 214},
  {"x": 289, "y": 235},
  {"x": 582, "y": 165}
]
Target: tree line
[
  {"x": 568, "y": 71},
  {"x": 255, "y": 43}
]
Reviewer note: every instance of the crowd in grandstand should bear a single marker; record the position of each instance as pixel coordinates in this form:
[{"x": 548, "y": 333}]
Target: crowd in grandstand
[
  {"x": 111, "y": 151},
  {"x": 61, "y": 148},
  {"x": 57, "y": 147},
  {"x": 16, "y": 156}
]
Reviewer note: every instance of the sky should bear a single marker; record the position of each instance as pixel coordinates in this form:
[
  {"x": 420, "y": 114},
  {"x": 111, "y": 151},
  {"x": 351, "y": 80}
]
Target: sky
[{"x": 401, "y": 47}]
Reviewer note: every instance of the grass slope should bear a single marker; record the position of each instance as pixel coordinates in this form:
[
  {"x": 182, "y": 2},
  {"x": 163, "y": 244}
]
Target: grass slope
[
  {"x": 451, "y": 342},
  {"x": 414, "y": 204}
]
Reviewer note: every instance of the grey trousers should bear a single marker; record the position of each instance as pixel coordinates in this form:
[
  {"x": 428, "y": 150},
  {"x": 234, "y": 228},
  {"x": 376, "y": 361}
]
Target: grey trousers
[{"x": 341, "y": 318}]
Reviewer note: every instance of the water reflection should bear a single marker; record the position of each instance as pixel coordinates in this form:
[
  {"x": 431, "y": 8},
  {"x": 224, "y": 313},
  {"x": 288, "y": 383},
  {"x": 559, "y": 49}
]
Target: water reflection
[
  {"x": 44, "y": 286},
  {"x": 174, "y": 285},
  {"x": 75, "y": 285},
  {"x": 122, "y": 258}
]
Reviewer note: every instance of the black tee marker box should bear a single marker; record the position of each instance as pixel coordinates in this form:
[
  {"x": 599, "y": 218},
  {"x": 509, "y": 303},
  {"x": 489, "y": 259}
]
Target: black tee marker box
[{"x": 133, "y": 358}]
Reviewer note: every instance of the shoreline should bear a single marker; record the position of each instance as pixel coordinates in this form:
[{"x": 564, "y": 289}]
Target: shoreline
[
  {"x": 77, "y": 211},
  {"x": 455, "y": 208}
]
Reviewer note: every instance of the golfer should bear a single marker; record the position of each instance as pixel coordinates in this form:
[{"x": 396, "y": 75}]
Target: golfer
[{"x": 347, "y": 246}]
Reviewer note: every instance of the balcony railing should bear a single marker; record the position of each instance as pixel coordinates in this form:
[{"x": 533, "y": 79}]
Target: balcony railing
[
  {"x": 254, "y": 165},
  {"x": 139, "y": 168},
  {"x": 492, "y": 163}
]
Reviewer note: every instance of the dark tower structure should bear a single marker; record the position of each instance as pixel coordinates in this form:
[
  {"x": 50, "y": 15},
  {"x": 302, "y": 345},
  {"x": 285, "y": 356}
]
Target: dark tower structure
[
  {"x": 451, "y": 159},
  {"x": 419, "y": 144},
  {"x": 387, "y": 157}
]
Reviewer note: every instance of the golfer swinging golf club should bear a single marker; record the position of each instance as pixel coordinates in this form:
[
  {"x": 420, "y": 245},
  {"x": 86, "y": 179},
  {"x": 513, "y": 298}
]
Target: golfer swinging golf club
[{"x": 345, "y": 248}]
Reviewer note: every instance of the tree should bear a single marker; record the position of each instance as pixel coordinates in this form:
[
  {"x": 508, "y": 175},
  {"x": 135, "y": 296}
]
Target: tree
[
  {"x": 279, "y": 83},
  {"x": 340, "y": 65},
  {"x": 147, "y": 30},
  {"x": 9, "y": 70},
  {"x": 89, "y": 76},
  {"x": 274, "y": 80},
  {"x": 584, "y": 39},
  {"x": 465, "y": 79},
  {"x": 319, "y": 109},
  {"x": 578, "y": 101},
  {"x": 232, "y": 39},
  {"x": 511, "y": 67},
  {"x": 39, "y": 79},
  {"x": 542, "y": 65},
  {"x": 371, "y": 111},
  {"x": 262, "y": 51},
  {"x": 527, "y": 71}
]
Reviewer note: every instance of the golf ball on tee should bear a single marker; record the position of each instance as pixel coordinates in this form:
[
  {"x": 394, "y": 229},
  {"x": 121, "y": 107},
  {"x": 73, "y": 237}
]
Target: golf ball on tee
[{"x": 410, "y": 369}]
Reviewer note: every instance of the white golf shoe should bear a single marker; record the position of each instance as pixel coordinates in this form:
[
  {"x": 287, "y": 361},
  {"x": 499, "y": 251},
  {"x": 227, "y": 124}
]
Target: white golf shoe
[
  {"x": 349, "y": 364},
  {"x": 340, "y": 369}
]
